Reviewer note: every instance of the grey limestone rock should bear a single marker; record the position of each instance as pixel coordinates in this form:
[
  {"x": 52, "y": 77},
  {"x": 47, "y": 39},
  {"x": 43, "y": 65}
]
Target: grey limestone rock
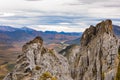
[
  {"x": 39, "y": 63},
  {"x": 98, "y": 53},
  {"x": 97, "y": 58}
]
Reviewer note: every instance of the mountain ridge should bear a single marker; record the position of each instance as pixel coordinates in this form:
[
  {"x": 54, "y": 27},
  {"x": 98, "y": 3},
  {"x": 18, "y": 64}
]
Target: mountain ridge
[
  {"x": 97, "y": 58},
  {"x": 39, "y": 63},
  {"x": 26, "y": 33}
]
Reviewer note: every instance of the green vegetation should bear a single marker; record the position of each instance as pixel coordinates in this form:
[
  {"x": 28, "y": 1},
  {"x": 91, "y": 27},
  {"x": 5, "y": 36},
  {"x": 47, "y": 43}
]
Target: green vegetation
[
  {"x": 53, "y": 78},
  {"x": 51, "y": 51},
  {"x": 10, "y": 67},
  {"x": 103, "y": 75},
  {"x": 37, "y": 67},
  {"x": 1, "y": 77},
  {"x": 119, "y": 51},
  {"x": 118, "y": 70},
  {"x": 47, "y": 75}
]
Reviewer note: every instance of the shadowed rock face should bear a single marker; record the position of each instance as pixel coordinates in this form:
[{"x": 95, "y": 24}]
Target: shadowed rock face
[{"x": 39, "y": 63}]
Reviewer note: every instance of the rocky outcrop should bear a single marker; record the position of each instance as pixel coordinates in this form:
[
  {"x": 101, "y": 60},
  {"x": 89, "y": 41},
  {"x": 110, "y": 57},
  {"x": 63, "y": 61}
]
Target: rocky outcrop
[
  {"x": 39, "y": 63},
  {"x": 97, "y": 58},
  {"x": 70, "y": 52}
]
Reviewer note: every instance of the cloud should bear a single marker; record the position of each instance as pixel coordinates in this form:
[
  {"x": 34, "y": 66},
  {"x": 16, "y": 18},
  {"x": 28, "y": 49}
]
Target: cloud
[
  {"x": 112, "y": 5},
  {"x": 57, "y": 28},
  {"x": 6, "y": 14},
  {"x": 33, "y": 0},
  {"x": 75, "y": 14},
  {"x": 94, "y": 1}
]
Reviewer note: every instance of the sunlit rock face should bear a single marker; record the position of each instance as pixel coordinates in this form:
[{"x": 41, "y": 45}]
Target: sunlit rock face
[
  {"x": 98, "y": 53},
  {"x": 97, "y": 58},
  {"x": 39, "y": 63}
]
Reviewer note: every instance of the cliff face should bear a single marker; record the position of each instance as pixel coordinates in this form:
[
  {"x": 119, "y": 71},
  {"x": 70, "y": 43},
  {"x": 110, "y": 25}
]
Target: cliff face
[
  {"x": 97, "y": 58},
  {"x": 39, "y": 63}
]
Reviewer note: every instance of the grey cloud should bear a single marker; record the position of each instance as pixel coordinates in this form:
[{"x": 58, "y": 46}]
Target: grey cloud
[
  {"x": 33, "y": 0},
  {"x": 112, "y": 5},
  {"x": 74, "y": 4},
  {"x": 92, "y": 1},
  {"x": 79, "y": 13}
]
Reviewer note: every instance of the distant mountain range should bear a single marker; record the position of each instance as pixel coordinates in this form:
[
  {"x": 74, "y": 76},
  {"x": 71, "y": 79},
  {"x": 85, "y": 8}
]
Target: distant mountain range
[
  {"x": 12, "y": 39},
  {"x": 7, "y": 28},
  {"x": 116, "y": 30},
  {"x": 10, "y": 34}
]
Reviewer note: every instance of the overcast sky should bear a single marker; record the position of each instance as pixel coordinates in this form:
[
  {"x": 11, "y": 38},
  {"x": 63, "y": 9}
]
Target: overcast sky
[{"x": 58, "y": 15}]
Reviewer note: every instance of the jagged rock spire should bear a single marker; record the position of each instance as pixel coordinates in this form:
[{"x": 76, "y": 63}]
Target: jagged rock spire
[
  {"x": 97, "y": 56},
  {"x": 98, "y": 30},
  {"x": 36, "y": 40}
]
